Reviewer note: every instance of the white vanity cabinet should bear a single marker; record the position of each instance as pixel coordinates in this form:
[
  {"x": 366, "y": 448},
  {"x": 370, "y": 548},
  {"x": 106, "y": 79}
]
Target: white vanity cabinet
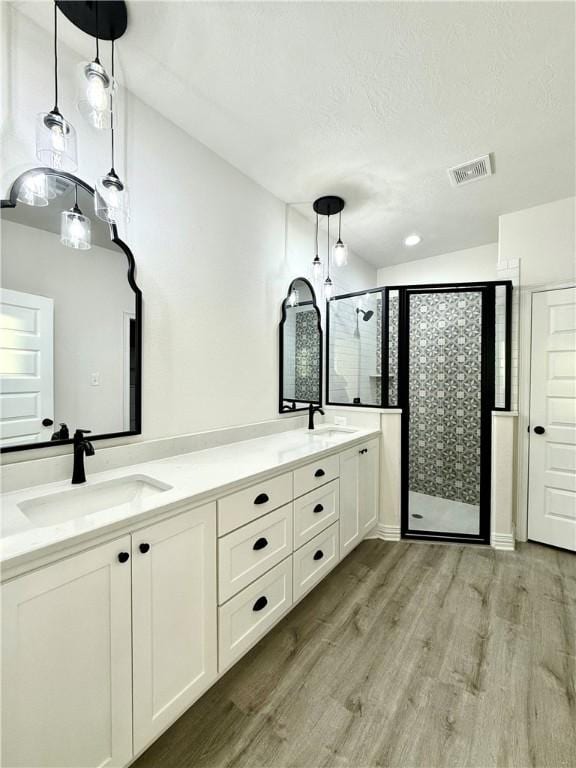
[
  {"x": 103, "y": 650},
  {"x": 66, "y": 662},
  {"x": 358, "y": 493},
  {"x": 174, "y": 618}
]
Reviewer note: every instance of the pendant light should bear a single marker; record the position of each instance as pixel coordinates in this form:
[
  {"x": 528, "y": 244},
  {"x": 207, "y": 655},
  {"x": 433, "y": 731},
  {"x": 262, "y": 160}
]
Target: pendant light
[
  {"x": 75, "y": 228},
  {"x": 95, "y": 89},
  {"x": 328, "y": 285},
  {"x": 340, "y": 251},
  {"x": 111, "y": 200},
  {"x": 317, "y": 264},
  {"x": 55, "y": 136},
  {"x": 34, "y": 190}
]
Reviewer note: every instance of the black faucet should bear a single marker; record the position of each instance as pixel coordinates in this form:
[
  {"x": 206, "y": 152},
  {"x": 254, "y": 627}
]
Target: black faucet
[
  {"x": 311, "y": 411},
  {"x": 81, "y": 447}
]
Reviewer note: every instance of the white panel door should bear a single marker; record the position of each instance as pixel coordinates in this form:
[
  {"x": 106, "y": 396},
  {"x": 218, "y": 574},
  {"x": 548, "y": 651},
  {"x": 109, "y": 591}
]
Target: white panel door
[
  {"x": 26, "y": 367},
  {"x": 369, "y": 485},
  {"x": 174, "y": 615},
  {"x": 552, "y": 481},
  {"x": 350, "y": 525},
  {"x": 66, "y": 663}
]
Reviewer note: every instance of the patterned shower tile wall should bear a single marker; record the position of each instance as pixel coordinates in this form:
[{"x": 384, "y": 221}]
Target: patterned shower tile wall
[
  {"x": 307, "y": 351},
  {"x": 444, "y": 395},
  {"x": 393, "y": 322}
]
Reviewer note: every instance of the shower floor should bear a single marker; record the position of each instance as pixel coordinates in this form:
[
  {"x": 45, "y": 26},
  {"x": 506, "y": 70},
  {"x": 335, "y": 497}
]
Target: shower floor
[{"x": 442, "y": 515}]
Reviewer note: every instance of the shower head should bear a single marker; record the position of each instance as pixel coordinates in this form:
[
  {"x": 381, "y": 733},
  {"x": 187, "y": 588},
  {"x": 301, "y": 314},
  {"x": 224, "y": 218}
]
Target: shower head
[{"x": 367, "y": 314}]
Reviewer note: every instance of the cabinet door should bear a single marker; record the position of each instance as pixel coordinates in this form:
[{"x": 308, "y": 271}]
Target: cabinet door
[
  {"x": 174, "y": 625},
  {"x": 66, "y": 662},
  {"x": 369, "y": 485},
  {"x": 350, "y": 525}
]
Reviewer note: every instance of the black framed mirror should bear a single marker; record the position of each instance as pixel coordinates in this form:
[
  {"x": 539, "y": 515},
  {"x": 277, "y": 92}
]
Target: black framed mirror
[
  {"x": 71, "y": 317},
  {"x": 300, "y": 349}
]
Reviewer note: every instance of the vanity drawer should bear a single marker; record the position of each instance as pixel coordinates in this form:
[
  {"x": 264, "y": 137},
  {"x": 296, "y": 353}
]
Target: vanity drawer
[
  {"x": 315, "y": 560},
  {"x": 244, "y": 506},
  {"x": 313, "y": 475},
  {"x": 247, "y": 553},
  {"x": 315, "y": 511},
  {"x": 249, "y": 615}
]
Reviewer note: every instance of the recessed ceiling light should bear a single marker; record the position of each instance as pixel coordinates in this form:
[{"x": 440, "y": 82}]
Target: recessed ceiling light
[{"x": 412, "y": 240}]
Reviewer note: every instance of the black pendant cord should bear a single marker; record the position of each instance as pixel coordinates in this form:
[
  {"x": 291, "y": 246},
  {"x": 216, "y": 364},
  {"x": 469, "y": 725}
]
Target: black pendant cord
[
  {"x": 55, "y": 59},
  {"x": 112, "y": 112},
  {"x": 339, "y": 225},
  {"x": 97, "y": 59},
  {"x": 328, "y": 247},
  {"x": 316, "y": 234}
]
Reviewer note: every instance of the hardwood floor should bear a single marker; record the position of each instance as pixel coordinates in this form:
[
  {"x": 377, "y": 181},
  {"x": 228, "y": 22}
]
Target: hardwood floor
[{"x": 408, "y": 654}]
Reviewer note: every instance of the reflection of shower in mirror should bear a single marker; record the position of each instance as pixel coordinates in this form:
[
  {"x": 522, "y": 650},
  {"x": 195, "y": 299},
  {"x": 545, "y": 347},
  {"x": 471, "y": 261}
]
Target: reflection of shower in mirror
[{"x": 367, "y": 314}]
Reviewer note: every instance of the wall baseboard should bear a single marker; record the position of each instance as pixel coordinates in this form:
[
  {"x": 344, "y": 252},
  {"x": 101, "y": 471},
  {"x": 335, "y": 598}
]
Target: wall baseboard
[
  {"x": 503, "y": 541},
  {"x": 387, "y": 532}
]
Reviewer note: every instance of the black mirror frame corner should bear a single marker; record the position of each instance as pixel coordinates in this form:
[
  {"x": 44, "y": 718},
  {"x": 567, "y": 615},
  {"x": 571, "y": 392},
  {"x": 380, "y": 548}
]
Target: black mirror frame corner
[
  {"x": 11, "y": 202},
  {"x": 288, "y": 405}
]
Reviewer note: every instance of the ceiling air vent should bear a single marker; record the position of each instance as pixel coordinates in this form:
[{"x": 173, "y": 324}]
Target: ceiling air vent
[{"x": 471, "y": 171}]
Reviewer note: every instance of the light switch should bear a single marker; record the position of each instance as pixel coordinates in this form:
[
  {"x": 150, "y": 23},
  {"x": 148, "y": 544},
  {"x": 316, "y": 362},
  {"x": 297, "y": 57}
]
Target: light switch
[{"x": 95, "y": 379}]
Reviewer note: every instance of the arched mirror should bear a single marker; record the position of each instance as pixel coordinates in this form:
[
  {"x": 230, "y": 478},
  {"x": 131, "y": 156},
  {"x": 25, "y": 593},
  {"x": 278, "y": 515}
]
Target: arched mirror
[
  {"x": 71, "y": 317},
  {"x": 300, "y": 349}
]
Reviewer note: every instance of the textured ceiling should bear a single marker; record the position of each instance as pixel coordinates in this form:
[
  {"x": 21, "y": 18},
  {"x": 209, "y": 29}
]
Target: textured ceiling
[{"x": 371, "y": 101}]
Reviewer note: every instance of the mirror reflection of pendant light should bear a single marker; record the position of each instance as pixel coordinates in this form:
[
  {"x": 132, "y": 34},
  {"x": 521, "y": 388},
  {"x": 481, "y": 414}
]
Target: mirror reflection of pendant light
[
  {"x": 340, "y": 250},
  {"x": 95, "y": 89},
  {"x": 111, "y": 200},
  {"x": 55, "y": 136},
  {"x": 293, "y": 298},
  {"x": 34, "y": 190},
  {"x": 75, "y": 228},
  {"x": 317, "y": 269}
]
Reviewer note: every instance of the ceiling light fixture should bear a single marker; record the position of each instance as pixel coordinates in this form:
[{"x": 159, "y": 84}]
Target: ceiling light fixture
[
  {"x": 95, "y": 88},
  {"x": 75, "y": 228},
  {"x": 111, "y": 200},
  {"x": 340, "y": 250},
  {"x": 55, "y": 136},
  {"x": 412, "y": 240},
  {"x": 329, "y": 205},
  {"x": 317, "y": 269}
]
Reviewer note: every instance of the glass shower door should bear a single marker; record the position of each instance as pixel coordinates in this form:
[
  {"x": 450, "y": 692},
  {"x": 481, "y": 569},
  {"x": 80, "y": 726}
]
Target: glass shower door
[{"x": 447, "y": 358}]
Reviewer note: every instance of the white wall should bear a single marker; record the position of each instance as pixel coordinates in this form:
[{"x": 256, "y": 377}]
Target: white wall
[
  {"x": 88, "y": 325},
  {"x": 215, "y": 252},
  {"x": 542, "y": 239},
  {"x": 472, "y": 264}
]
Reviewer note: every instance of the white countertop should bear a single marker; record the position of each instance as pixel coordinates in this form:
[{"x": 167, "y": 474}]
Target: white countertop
[{"x": 194, "y": 478}]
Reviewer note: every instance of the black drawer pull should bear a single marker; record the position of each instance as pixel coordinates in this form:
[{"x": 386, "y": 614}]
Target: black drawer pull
[
  {"x": 319, "y": 473},
  {"x": 364, "y": 450},
  {"x": 262, "y": 498},
  {"x": 123, "y": 557},
  {"x": 260, "y": 543},
  {"x": 318, "y": 555},
  {"x": 261, "y": 603},
  {"x": 318, "y": 508},
  {"x": 144, "y": 548}
]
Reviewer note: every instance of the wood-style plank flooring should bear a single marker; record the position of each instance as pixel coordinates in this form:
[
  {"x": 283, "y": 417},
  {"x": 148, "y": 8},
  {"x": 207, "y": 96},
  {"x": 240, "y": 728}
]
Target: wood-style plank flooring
[{"x": 408, "y": 654}]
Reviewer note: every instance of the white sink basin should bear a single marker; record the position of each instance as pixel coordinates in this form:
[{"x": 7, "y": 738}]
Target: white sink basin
[
  {"x": 331, "y": 431},
  {"x": 80, "y": 502}
]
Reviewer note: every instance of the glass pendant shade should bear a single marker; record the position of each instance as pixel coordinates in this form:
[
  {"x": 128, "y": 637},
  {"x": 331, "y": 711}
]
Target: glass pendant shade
[
  {"x": 95, "y": 91},
  {"x": 340, "y": 254},
  {"x": 328, "y": 288},
  {"x": 75, "y": 229},
  {"x": 317, "y": 271},
  {"x": 34, "y": 191},
  {"x": 56, "y": 145},
  {"x": 111, "y": 200}
]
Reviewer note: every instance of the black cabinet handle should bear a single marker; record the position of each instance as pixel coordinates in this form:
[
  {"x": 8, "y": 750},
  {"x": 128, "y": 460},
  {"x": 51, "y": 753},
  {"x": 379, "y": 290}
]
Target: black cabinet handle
[
  {"x": 318, "y": 508},
  {"x": 318, "y": 555},
  {"x": 539, "y": 430},
  {"x": 123, "y": 557},
  {"x": 364, "y": 450},
  {"x": 260, "y": 543},
  {"x": 145, "y": 547},
  {"x": 262, "y": 498},
  {"x": 319, "y": 473},
  {"x": 261, "y": 603},
  {"x": 47, "y": 422}
]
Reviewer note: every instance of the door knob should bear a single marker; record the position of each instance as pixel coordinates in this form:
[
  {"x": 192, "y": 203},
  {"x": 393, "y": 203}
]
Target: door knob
[
  {"x": 539, "y": 430},
  {"x": 144, "y": 547},
  {"x": 123, "y": 557}
]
